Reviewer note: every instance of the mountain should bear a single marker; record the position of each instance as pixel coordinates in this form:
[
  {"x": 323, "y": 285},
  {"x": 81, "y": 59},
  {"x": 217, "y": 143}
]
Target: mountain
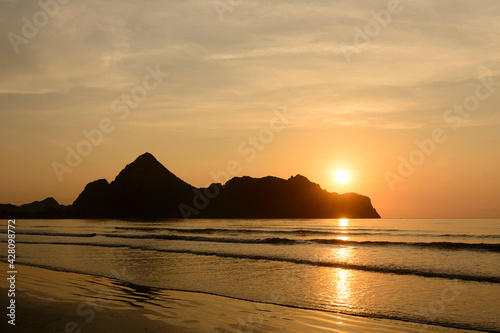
[
  {"x": 146, "y": 189},
  {"x": 41, "y": 206},
  {"x": 272, "y": 197},
  {"x": 48, "y": 208}
]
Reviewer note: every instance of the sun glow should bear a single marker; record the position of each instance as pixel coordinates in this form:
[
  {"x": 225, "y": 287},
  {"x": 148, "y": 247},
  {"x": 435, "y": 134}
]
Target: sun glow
[
  {"x": 341, "y": 176},
  {"x": 343, "y": 222}
]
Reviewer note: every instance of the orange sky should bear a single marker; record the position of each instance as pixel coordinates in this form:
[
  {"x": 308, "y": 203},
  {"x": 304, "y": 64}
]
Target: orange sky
[{"x": 404, "y": 96}]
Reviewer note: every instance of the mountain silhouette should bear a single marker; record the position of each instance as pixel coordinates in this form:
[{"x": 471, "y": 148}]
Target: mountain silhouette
[
  {"x": 272, "y": 197},
  {"x": 146, "y": 189},
  {"x": 48, "y": 208}
]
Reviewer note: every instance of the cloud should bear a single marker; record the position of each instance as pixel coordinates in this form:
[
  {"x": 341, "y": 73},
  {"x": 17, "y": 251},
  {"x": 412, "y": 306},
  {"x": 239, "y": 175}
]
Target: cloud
[{"x": 263, "y": 55}]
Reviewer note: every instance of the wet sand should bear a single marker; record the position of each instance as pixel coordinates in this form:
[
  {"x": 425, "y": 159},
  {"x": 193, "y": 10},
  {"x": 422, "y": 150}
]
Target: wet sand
[{"x": 60, "y": 302}]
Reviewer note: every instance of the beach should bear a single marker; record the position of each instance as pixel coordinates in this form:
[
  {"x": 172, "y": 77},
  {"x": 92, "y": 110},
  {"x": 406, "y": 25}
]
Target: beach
[
  {"x": 54, "y": 301},
  {"x": 255, "y": 276}
]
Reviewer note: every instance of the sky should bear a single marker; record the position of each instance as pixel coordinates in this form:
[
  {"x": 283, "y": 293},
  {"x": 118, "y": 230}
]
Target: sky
[{"x": 404, "y": 95}]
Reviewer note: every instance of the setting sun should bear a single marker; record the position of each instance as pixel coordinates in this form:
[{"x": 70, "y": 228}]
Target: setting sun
[{"x": 341, "y": 176}]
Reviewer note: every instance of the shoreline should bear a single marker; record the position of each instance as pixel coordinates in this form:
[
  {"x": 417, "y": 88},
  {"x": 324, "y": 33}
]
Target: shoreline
[{"x": 55, "y": 301}]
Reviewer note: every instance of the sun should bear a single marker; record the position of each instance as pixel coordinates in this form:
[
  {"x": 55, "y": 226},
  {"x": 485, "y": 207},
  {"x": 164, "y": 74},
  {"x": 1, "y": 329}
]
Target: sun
[{"x": 342, "y": 176}]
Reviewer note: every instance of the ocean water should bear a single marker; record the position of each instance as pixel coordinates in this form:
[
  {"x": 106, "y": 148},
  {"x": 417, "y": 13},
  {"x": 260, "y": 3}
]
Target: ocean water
[{"x": 439, "y": 272}]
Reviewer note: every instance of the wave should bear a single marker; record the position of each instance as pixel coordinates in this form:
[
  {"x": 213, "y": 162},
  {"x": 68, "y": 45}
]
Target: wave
[
  {"x": 57, "y": 234},
  {"x": 451, "y": 246},
  {"x": 134, "y": 287},
  {"x": 298, "y": 232},
  {"x": 287, "y": 241},
  {"x": 367, "y": 268},
  {"x": 294, "y": 232},
  {"x": 432, "y": 245},
  {"x": 359, "y": 267}
]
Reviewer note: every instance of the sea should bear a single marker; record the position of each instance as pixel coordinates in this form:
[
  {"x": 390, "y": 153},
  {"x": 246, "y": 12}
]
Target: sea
[{"x": 443, "y": 272}]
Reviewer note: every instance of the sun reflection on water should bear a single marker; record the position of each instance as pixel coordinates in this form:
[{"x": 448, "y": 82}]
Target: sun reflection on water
[
  {"x": 342, "y": 254},
  {"x": 341, "y": 278},
  {"x": 342, "y": 286},
  {"x": 343, "y": 222}
]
